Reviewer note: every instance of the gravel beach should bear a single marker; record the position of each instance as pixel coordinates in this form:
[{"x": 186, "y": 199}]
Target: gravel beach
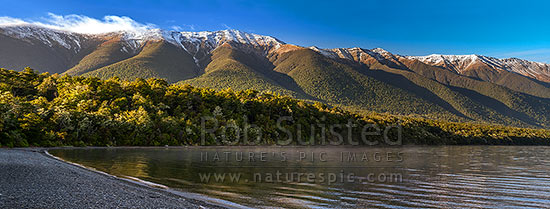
[{"x": 31, "y": 179}]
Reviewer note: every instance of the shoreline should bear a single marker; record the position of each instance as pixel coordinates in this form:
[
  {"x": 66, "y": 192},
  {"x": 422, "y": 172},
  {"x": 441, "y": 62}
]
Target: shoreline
[
  {"x": 31, "y": 177},
  {"x": 151, "y": 185}
]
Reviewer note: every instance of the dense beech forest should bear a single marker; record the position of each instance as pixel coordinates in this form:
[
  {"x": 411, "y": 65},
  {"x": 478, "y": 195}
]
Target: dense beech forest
[{"x": 61, "y": 110}]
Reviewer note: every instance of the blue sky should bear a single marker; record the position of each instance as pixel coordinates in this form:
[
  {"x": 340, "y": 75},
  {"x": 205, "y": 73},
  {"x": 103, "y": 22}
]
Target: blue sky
[{"x": 498, "y": 28}]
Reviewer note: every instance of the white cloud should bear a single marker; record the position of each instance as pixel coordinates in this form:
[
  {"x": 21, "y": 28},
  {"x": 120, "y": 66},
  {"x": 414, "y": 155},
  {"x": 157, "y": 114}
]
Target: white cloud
[
  {"x": 180, "y": 28},
  {"x": 83, "y": 24},
  {"x": 7, "y": 21},
  {"x": 176, "y": 28}
]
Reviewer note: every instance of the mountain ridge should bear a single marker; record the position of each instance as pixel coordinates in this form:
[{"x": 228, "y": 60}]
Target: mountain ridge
[{"x": 213, "y": 39}]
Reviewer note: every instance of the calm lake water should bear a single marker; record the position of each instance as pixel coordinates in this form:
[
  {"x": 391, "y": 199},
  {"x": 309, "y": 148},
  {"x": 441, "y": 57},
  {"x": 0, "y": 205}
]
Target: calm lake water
[{"x": 327, "y": 177}]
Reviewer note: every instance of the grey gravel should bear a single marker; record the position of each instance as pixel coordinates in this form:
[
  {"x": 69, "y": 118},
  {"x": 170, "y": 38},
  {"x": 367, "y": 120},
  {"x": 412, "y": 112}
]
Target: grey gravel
[{"x": 31, "y": 179}]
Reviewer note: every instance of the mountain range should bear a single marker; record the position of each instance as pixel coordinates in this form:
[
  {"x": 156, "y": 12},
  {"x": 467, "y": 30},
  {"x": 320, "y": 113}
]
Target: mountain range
[{"x": 472, "y": 88}]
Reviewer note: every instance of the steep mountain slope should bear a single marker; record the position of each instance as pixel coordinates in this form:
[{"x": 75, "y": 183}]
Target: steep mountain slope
[
  {"x": 113, "y": 50},
  {"x": 443, "y": 95},
  {"x": 201, "y": 44},
  {"x": 157, "y": 59},
  {"x": 339, "y": 83},
  {"x": 238, "y": 70},
  {"x": 45, "y": 49}
]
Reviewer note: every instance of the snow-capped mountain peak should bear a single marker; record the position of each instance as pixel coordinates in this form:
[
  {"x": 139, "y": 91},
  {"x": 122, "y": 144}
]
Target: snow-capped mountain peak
[
  {"x": 380, "y": 51},
  {"x": 438, "y": 58},
  {"x": 355, "y": 53},
  {"x": 216, "y": 38},
  {"x": 197, "y": 44},
  {"x": 457, "y": 63}
]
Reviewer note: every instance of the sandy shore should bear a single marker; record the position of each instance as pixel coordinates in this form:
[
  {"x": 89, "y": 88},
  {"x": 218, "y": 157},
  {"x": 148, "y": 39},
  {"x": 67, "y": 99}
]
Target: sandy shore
[{"x": 31, "y": 179}]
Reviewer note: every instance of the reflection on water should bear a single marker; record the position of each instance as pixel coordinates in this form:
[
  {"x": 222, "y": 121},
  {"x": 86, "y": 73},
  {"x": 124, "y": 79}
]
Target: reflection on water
[{"x": 447, "y": 176}]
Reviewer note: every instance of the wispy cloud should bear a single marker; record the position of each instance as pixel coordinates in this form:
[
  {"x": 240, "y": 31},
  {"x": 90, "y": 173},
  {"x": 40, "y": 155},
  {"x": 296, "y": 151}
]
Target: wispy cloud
[
  {"x": 7, "y": 21},
  {"x": 82, "y": 24},
  {"x": 85, "y": 24},
  {"x": 180, "y": 28},
  {"x": 176, "y": 28},
  {"x": 226, "y": 26}
]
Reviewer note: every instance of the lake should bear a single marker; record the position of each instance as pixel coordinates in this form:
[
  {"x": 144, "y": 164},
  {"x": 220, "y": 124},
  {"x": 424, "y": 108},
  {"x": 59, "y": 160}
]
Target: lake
[{"x": 328, "y": 177}]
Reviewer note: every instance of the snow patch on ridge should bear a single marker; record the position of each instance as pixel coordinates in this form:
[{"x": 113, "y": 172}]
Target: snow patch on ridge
[
  {"x": 348, "y": 53},
  {"x": 197, "y": 44},
  {"x": 458, "y": 63},
  {"x": 462, "y": 62},
  {"x": 324, "y": 52},
  {"x": 47, "y": 36},
  {"x": 217, "y": 38}
]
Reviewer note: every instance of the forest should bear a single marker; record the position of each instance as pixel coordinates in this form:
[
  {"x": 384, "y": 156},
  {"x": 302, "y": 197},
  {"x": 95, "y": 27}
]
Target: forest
[{"x": 61, "y": 110}]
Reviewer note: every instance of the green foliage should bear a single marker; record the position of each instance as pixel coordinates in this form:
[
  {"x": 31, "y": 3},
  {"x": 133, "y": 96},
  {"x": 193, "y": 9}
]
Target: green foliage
[{"x": 45, "y": 110}]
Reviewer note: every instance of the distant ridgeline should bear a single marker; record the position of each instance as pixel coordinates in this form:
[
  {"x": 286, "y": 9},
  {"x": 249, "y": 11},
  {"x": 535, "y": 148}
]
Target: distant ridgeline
[{"x": 52, "y": 110}]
